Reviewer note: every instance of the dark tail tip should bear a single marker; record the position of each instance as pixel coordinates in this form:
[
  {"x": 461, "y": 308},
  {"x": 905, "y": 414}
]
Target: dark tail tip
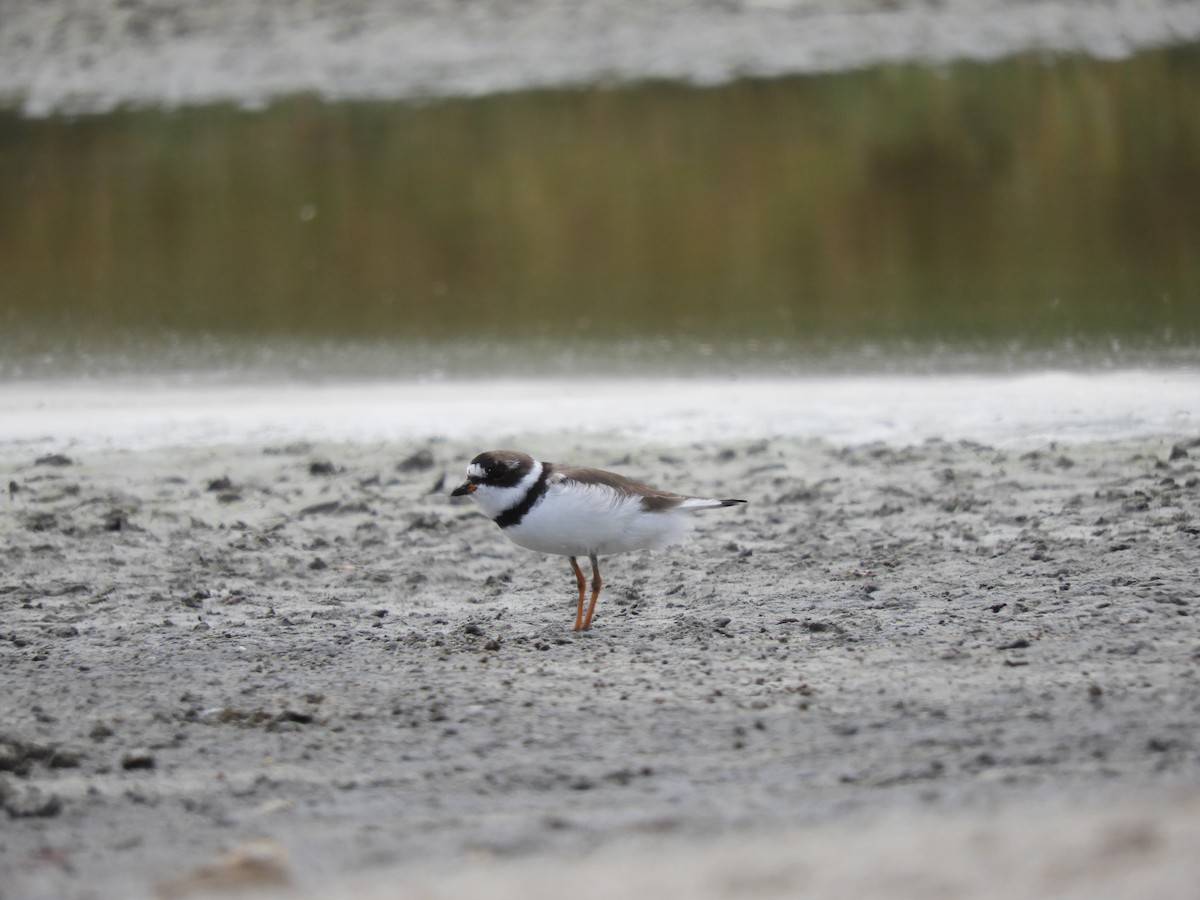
[{"x": 732, "y": 502}]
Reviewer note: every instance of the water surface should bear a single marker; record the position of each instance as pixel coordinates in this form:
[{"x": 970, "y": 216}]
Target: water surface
[{"x": 1022, "y": 213}]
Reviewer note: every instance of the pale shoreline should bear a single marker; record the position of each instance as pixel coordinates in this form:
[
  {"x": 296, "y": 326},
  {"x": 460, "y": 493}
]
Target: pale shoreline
[
  {"x": 1025, "y": 410},
  {"x": 97, "y": 55}
]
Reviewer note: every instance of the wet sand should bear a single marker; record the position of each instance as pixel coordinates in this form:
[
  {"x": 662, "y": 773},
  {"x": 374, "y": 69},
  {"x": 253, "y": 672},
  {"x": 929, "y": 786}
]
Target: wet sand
[{"x": 900, "y": 668}]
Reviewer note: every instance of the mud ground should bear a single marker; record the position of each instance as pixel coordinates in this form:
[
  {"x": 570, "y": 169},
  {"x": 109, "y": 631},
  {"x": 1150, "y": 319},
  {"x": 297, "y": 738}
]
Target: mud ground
[{"x": 310, "y": 657}]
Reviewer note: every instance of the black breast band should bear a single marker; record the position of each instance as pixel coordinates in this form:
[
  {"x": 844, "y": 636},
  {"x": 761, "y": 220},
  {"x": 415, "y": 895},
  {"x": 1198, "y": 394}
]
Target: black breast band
[{"x": 514, "y": 515}]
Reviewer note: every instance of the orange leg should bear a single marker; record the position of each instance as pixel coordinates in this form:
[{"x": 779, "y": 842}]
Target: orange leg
[
  {"x": 582, "y": 587},
  {"x": 596, "y": 583}
]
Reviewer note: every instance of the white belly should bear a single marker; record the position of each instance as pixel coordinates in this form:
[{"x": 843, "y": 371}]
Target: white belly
[{"x": 581, "y": 520}]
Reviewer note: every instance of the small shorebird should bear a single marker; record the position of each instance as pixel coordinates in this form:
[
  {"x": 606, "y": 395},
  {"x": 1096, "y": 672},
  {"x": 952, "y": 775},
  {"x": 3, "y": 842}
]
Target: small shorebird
[{"x": 577, "y": 511}]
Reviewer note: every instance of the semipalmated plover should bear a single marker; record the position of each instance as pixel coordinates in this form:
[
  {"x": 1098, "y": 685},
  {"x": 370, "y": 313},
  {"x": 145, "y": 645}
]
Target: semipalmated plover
[{"x": 577, "y": 511}]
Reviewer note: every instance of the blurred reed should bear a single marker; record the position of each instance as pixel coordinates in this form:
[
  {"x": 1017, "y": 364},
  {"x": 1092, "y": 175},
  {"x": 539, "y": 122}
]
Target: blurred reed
[{"x": 1032, "y": 200}]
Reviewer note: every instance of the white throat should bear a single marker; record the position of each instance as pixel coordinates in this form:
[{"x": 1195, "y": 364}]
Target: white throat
[{"x": 494, "y": 500}]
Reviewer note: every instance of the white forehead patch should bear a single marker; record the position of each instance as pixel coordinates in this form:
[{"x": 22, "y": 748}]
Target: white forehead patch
[{"x": 474, "y": 470}]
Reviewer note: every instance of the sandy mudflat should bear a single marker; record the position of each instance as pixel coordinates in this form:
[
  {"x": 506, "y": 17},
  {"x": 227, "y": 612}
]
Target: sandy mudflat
[{"x": 899, "y": 670}]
